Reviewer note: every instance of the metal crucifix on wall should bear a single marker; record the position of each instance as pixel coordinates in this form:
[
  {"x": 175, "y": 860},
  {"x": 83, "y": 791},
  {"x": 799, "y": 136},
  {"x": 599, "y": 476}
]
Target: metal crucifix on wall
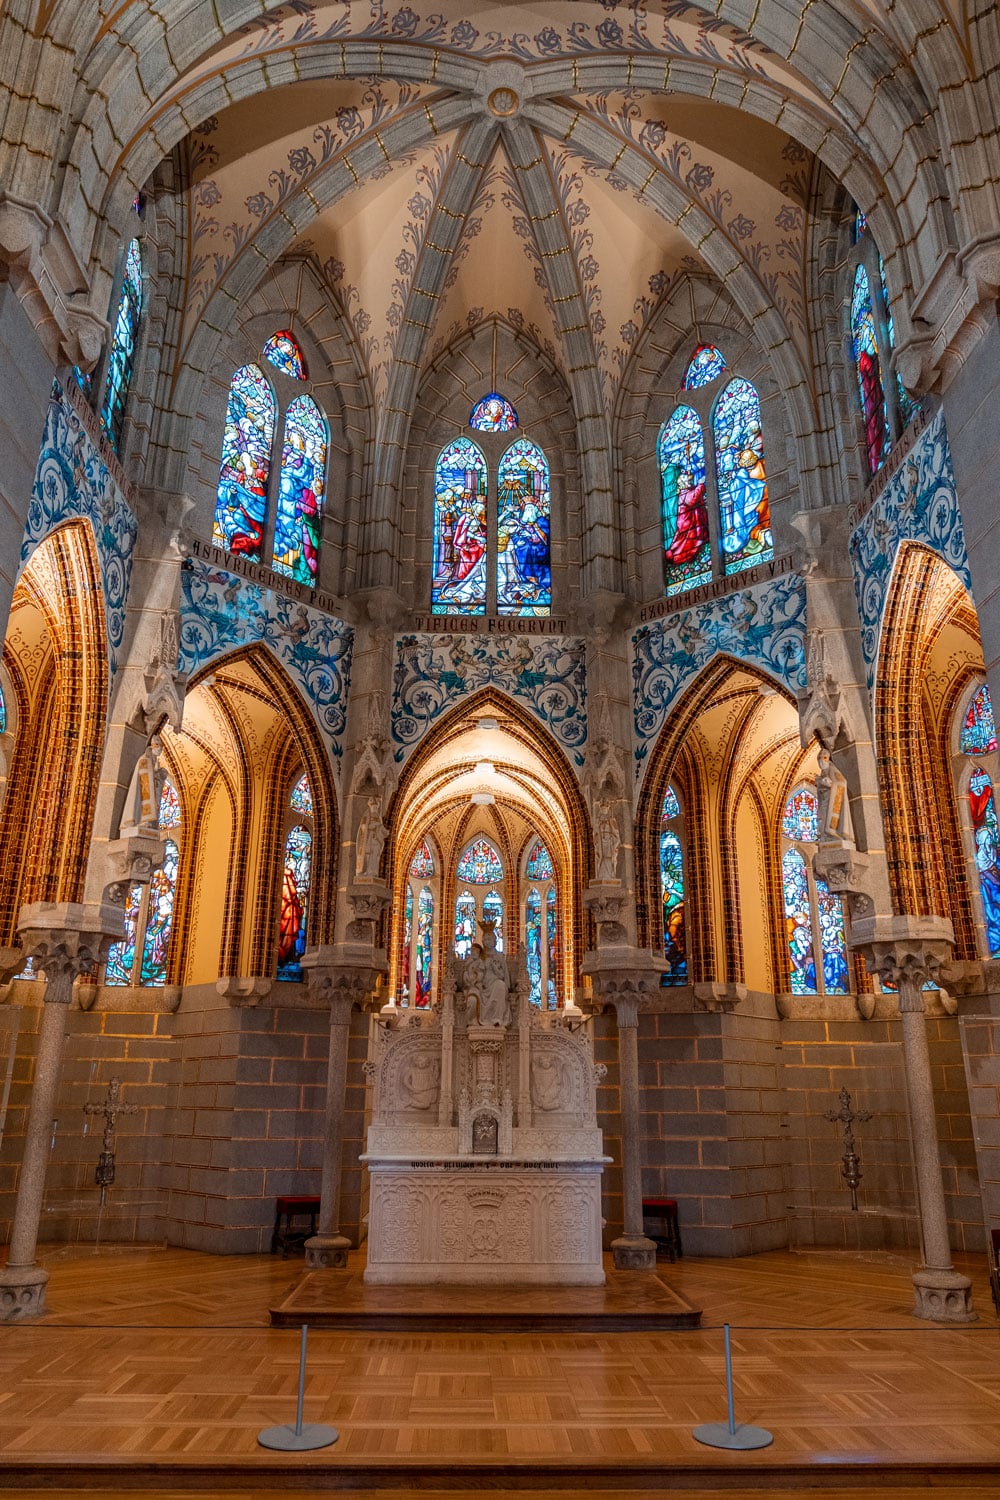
[
  {"x": 111, "y": 1108},
  {"x": 850, "y": 1162}
]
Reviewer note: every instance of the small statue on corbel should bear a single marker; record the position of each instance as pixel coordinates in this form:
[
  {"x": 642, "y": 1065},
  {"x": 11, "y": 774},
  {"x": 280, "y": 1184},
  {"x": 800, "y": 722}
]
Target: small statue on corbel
[
  {"x": 607, "y": 839},
  {"x": 835, "y": 823},
  {"x": 147, "y": 790},
  {"x": 372, "y": 834}
]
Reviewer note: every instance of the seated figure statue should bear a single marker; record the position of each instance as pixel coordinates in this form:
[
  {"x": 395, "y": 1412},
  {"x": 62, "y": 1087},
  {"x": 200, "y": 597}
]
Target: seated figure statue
[{"x": 485, "y": 976}]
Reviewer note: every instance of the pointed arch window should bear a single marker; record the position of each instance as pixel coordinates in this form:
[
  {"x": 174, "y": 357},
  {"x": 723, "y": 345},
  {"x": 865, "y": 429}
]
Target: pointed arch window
[
  {"x": 283, "y": 352},
  {"x": 480, "y": 864},
  {"x": 869, "y": 369},
  {"x": 248, "y": 436},
  {"x": 124, "y": 341},
  {"x": 459, "y": 586},
  {"x": 672, "y": 891},
  {"x": 493, "y": 413},
  {"x": 707, "y": 364},
  {"x": 480, "y": 880},
  {"x": 978, "y": 737},
  {"x": 686, "y": 540},
  {"x": 814, "y": 915},
  {"x": 140, "y": 957},
  {"x": 296, "y": 879},
  {"x": 741, "y": 477},
  {"x": 979, "y": 732},
  {"x": 524, "y": 565},
  {"x": 541, "y": 927},
  {"x": 422, "y": 863},
  {"x": 301, "y": 485},
  {"x": 416, "y": 960}
]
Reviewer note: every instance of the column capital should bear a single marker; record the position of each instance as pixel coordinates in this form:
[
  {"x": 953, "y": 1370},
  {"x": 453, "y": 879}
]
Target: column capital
[
  {"x": 904, "y": 951},
  {"x": 341, "y": 985},
  {"x": 67, "y": 939}
]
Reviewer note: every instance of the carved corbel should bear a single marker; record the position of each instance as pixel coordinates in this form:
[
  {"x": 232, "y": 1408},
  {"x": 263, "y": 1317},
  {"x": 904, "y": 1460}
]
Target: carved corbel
[
  {"x": 606, "y": 903},
  {"x": 719, "y": 999},
  {"x": 821, "y": 716},
  {"x": 847, "y": 873},
  {"x": 244, "y": 990}
]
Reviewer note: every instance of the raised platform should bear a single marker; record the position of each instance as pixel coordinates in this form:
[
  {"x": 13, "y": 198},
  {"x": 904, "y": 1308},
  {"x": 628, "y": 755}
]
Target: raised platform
[{"x": 628, "y": 1302}]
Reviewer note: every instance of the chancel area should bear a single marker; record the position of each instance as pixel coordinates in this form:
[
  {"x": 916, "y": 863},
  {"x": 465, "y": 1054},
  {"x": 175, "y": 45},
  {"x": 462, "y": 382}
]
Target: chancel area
[{"x": 498, "y": 587}]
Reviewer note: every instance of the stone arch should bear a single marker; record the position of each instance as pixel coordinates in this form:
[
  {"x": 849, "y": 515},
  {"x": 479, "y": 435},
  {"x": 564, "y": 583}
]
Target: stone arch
[{"x": 48, "y": 812}]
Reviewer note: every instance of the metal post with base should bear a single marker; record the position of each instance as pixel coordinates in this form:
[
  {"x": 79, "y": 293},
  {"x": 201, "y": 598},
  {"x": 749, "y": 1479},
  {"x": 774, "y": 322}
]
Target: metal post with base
[
  {"x": 304, "y": 1436},
  {"x": 731, "y": 1434}
]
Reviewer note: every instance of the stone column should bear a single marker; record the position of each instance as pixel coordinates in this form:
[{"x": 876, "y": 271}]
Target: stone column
[
  {"x": 907, "y": 951},
  {"x": 343, "y": 990},
  {"x": 632, "y": 1250},
  {"x": 64, "y": 941}
]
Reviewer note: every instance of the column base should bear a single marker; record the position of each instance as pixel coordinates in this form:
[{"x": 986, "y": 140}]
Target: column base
[
  {"x": 22, "y": 1293},
  {"x": 633, "y": 1252},
  {"x": 325, "y": 1252},
  {"x": 942, "y": 1296}
]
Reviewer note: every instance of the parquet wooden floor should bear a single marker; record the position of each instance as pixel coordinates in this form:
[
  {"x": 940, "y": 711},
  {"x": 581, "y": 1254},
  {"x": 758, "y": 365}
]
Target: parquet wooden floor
[{"x": 156, "y": 1368}]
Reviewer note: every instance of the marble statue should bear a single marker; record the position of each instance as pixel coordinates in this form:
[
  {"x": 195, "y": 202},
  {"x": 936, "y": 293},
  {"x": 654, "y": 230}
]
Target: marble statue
[
  {"x": 372, "y": 835},
  {"x": 607, "y": 839},
  {"x": 834, "y": 802}
]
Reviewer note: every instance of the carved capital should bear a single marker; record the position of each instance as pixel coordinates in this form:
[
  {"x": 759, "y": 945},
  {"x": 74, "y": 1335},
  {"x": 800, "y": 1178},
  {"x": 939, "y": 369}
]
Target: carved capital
[
  {"x": 369, "y": 901},
  {"x": 342, "y": 986},
  {"x": 66, "y": 940},
  {"x": 51, "y": 280},
  {"x": 904, "y": 951}
]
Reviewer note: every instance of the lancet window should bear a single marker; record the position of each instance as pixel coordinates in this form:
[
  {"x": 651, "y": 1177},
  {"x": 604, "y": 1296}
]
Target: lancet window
[
  {"x": 479, "y": 897},
  {"x": 541, "y": 927},
  {"x": 884, "y": 404},
  {"x": 417, "y": 957},
  {"x": 270, "y": 504},
  {"x": 296, "y": 877},
  {"x": 978, "y": 738},
  {"x": 140, "y": 958},
  {"x": 814, "y": 915},
  {"x": 120, "y": 365},
  {"x": 491, "y": 549},
  {"x": 714, "y": 504},
  {"x": 672, "y": 890}
]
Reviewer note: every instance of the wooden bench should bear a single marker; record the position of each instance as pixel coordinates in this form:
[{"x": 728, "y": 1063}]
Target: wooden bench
[
  {"x": 286, "y": 1208},
  {"x": 664, "y": 1209}
]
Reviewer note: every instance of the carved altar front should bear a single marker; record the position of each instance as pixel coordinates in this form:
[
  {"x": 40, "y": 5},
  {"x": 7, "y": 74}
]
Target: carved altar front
[{"x": 484, "y": 1153}]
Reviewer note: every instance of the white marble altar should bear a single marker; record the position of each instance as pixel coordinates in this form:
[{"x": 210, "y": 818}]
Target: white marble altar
[{"x": 484, "y": 1152}]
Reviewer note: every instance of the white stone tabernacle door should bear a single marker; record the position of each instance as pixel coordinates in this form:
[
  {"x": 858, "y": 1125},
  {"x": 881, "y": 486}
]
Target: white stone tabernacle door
[{"x": 484, "y": 1150}]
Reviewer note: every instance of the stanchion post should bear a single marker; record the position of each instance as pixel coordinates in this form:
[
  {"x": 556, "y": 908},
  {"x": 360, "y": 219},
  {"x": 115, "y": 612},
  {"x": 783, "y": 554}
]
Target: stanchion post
[
  {"x": 303, "y": 1437},
  {"x": 730, "y": 1434}
]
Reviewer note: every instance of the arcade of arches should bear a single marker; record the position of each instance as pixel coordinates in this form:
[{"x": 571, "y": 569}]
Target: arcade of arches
[{"x": 508, "y": 492}]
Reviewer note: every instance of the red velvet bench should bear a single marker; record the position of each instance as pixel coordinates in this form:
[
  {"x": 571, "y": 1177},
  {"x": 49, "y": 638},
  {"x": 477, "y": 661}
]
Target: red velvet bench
[
  {"x": 293, "y": 1206},
  {"x": 664, "y": 1209}
]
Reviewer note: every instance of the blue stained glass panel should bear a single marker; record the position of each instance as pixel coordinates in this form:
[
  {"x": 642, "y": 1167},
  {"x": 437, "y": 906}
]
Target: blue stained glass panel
[
  {"x": 246, "y": 461},
  {"x": 301, "y": 488},
  {"x": 404, "y": 958},
  {"x": 671, "y": 806},
  {"x": 121, "y": 955},
  {"x": 907, "y": 406},
  {"x": 294, "y": 903},
  {"x": 3, "y": 713},
  {"x": 551, "y": 933},
  {"x": 672, "y": 897},
  {"x": 539, "y": 866},
  {"x": 121, "y": 355},
  {"x": 524, "y": 568},
  {"x": 707, "y": 364},
  {"x": 465, "y": 924},
  {"x": 493, "y": 413},
  {"x": 687, "y": 548},
  {"x": 159, "y": 918},
  {"x": 480, "y": 864},
  {"x": 533, "y": 946},
  {"x": 459, "y": 569},
  {"x": 869, "y": 367},
  {"x": 800, "y": 820},
  {"x": 798, "y": 923},
  {"x": 283, "y": 352},
  {"x": 832, "y": 940},
  {"x": 423, "y": 943},
  {"x": 860, "y": 224},
  {"x": 493, "y": 912},
  {"x": 422, "y": 863},
  {"x": 979, "y": 732},
  {"x": 741, "y": 473},
  {"x": 302, "y": 797},
  {"x": 170, "y": 807},
  {"x": 986, "y": 832}
]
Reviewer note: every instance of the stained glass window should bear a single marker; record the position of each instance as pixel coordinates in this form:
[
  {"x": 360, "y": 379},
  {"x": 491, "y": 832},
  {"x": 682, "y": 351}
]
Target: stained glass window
[
  {"x": 170, "y": 807},
  {"x": 301, "y": 488},
  {"x": 551, "y": 935},
  {"x": 162, "y": 888},
  {"x": 465, "y": 924},
  {"x": 860, "y": 224},
  {"x": 459, "y": 582},
  {"x": 742, "y": 478},
  {"x": 493, "y": 912},
  {"x": 869, "y": 368},
  {"x": 282, "y": 351},
  {"x": 422, "y": 863},
  {"x": 493, "y": 413},
  {"x": 671, "y": 806},
  {"x": 422, "y": 948},
  {"x": 85, "y": 381},
  {"x": 3, "y": 713},
  {"x": 407, "y": 940},
  {"x": 672, "y": 893},
  {"x": 832, "y": 940},
  {"x": 681, "y": 455},
  {"x": 979, "y": 732},
  {"x": 294, "y": 903},
  {"x": 121, "y": 955},
  {"x": 524, "y": 572},
  {"x": 800, "y": 820},
  {"x": 246, "y": 461},
  {"x": 539, "y": 866},
  {"x": 533, "y": 945},
  {"x": 798, "y": 923},
  {"x": 121, "y": 355},
  {"x": 480, "y": 864},
  {"x": 907, "y": 405},
  {"x": 707, "y": 364},
  {"x": 986, "y": 832},
  {"x": 302, "y": 797}
]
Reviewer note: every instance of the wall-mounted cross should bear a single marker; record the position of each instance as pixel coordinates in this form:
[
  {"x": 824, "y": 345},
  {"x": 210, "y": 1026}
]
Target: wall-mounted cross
[
  {"x": 111, "y": 1108},
  {"x": 850, "y": 1164}
]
